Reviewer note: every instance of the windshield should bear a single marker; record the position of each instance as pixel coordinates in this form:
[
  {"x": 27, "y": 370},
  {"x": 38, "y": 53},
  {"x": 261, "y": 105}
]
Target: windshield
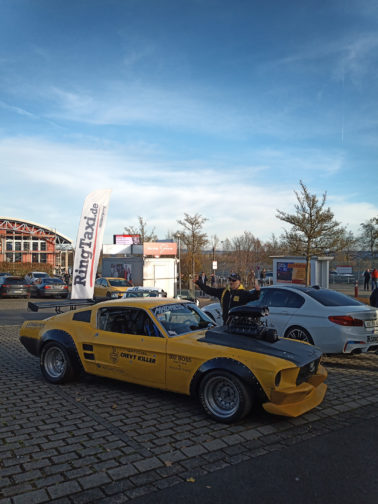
[
  {"x": 181, "y": 318},
  {"x": 119, "y": 282}
]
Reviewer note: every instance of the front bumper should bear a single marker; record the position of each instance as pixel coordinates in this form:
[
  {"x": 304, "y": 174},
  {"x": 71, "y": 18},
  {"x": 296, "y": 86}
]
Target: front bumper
[{"x": 297, "y": 400}]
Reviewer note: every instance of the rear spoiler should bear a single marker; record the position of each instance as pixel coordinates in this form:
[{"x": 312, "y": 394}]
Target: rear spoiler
[{"x": 72, "y": 304}]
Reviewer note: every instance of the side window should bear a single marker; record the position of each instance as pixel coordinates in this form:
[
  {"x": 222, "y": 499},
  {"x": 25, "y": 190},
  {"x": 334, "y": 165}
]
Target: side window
[
  {"x": 264, "y": 299},
  {"x": 284, "y": 298},
  {"x": 278, "y": 298},
  {"x": 294, "y": 300},
  {"x": 126, "y": 321}
]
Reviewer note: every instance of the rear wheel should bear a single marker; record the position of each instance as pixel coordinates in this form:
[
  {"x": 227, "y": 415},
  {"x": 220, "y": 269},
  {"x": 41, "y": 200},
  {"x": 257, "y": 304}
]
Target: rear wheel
[
  {"x": 224, "y": 396},
  {"x": 300, "y": 334},
  {"x": 56, "y": 365}
]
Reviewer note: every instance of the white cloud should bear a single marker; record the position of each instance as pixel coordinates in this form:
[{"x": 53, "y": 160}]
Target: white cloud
[{"x": 47, "y": 183}]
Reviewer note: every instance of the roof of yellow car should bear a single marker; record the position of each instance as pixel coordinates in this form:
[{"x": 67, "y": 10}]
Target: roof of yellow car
[{"x": 146, "y": 302}]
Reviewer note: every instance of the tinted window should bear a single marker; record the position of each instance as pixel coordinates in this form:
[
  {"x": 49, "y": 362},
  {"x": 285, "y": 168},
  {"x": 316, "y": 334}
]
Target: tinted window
[
  {"x": 84, "y": 316},
  {"x": 14, "y": 281},
  {"x": 126, "y": 321},
  {"x": 278, "y": 298},
  {"x": 331, "y": 298},
  {"x": 52, "y": 281}
]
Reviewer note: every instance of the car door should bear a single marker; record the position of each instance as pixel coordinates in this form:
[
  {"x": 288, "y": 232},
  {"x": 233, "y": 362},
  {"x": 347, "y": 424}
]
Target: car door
[
  {"x": 283, "y": 305},
  {"x": 100, "y": 288},
  {"x": 127, "y": 345}
]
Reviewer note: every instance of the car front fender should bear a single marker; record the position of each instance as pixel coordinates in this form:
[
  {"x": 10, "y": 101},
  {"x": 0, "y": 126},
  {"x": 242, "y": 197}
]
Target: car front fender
[{"x": 224, "y": 364}]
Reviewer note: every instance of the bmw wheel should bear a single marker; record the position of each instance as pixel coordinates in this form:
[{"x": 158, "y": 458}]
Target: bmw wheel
[
  {"x": 300, "y": 334},
  {"x": 56, "y": 365},
  {"x": 224, "y": 396}
]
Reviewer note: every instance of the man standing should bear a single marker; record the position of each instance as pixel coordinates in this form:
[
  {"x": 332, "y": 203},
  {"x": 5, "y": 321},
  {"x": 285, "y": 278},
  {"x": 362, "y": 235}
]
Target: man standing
[
  {"x": 203, "y": 279},
  {"x": 366, "y": 279},
  {"x": 231, "y": 296}
]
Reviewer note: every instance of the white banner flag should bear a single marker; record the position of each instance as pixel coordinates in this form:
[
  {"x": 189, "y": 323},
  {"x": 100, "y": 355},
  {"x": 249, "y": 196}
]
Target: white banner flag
[{"x": 89, "y": 243}]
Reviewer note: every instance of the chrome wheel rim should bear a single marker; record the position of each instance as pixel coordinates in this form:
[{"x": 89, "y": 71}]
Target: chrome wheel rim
[
  {"x": 221, "y": 396},
  {"x": 55, "y": 362}
]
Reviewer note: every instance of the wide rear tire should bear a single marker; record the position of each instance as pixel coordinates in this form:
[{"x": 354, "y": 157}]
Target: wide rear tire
[
  {"x": 224, "y": 396},
  {"x": 56, "y": 365}
]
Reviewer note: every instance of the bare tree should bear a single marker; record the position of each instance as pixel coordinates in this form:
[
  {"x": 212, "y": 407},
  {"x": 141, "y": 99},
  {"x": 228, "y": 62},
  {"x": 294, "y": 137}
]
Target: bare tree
[
  {"x": 141, "y": 230},
  {"x": 247, "y": 253},
  {"x": 314, "y": 230},
  {"x": 192, "y": 237},
  {"x": 369, "y": 235}
]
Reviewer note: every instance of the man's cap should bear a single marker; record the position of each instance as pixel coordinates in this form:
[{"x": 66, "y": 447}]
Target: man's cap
[{"x": 234, "y": 276}]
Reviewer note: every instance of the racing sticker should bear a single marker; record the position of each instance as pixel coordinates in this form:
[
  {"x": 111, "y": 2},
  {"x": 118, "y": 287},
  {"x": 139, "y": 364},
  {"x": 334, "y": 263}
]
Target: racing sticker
[
  {"x": 131, "y": 355},
  {"x": 179, "y": 362},
  {"x": 158, "y": 310}
]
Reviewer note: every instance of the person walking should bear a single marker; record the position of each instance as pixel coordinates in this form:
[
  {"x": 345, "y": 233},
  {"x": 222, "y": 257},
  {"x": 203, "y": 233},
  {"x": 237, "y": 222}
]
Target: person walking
[
  {"x": 203, "y": 278},
  {"x": 262, "y": 277},
  {"x": 366, "y": 276},
  {"x": 374, "y": 279},
  {"x": 233, "y": 295}
]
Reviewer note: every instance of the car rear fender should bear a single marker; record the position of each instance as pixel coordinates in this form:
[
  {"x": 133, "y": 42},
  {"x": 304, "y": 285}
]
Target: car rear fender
[
  {"x": 225, "y": 364},
  {"x": 66, "y": 340}
]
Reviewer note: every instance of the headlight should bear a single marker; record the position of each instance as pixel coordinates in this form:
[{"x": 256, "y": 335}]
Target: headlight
[{"x": 114, "y": 295}]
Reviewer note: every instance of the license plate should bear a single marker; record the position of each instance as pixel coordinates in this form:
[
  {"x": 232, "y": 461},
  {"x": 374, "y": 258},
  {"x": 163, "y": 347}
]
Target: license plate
[
  {"x": 372, "y": 339},
  {"x": 370, "y": 324}
]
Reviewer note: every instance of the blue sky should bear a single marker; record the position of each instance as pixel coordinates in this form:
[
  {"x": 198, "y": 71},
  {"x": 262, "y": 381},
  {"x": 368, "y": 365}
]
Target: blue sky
[{"x": 198, "y": 106}]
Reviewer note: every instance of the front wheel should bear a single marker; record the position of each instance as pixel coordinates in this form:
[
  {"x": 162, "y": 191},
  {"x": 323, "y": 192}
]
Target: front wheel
[
  {"x": 300, "y": 334},
  {"x": 224, "y": 396},
  {"x": 56, "y": 365}
]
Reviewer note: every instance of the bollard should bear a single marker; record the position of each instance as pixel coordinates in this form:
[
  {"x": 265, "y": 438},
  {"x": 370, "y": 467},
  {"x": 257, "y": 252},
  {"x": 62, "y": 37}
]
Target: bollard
[{"x": 356, "y": 289}]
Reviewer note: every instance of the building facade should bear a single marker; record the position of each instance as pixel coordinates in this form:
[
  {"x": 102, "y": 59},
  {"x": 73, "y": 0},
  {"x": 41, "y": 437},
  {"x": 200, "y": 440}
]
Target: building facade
[{"x": 22, "y": 241}]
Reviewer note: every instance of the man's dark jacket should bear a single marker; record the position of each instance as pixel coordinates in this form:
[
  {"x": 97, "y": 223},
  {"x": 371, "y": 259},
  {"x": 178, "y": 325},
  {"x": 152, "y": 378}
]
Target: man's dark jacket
[
  {"x": 374, "y": 298},
  {"x": 229, "y": 298}
]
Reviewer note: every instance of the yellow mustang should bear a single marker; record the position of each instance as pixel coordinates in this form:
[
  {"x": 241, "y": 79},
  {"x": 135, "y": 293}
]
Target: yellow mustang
[{"x": 173, "y": 345}]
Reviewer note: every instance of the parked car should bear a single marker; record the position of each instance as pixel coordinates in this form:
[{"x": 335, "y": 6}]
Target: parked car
[
  {"x": 139, "y": 291},
  {"x": 187, "y": 295},
  {"x": 334, "y": 322},
  {"x": 49, "y": 287},
  {"x": 214, "y": 311},
  {"x": 14, "y": 286},
  {"x": 110, "y": 288},
  {"x": 172, "y": 345},
  {"x": 33, "y": 276}
]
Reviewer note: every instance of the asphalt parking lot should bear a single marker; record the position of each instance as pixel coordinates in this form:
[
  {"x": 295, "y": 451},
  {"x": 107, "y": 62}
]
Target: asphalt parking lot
[{"x": 99, "y": 440}]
